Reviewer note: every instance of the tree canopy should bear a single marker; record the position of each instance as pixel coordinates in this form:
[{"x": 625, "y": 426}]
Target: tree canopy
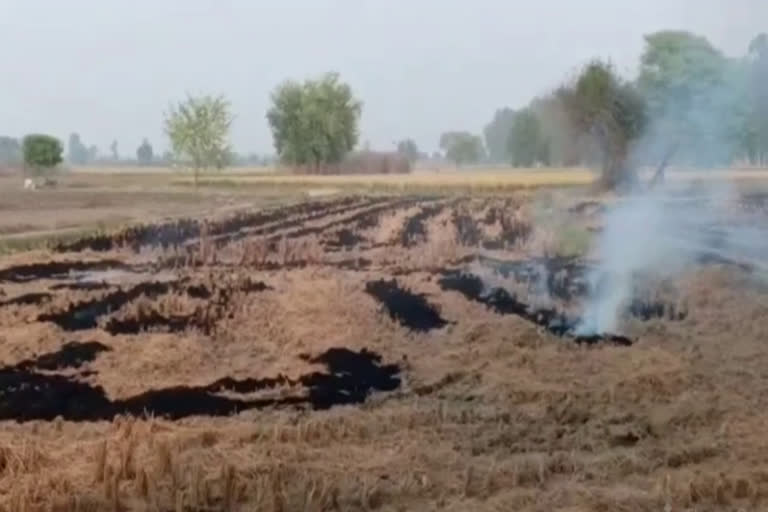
[
  {"x": 409, "y": 149},
  {"x": 496, "y": 134},
  {"x": 41, "y": 152},
  {"x": 756, "y": 140},
  {"x": 691, "y": 90},
  {"x": 526, "y": 143},
  {"x": 689, "y": 104},
  {"x": 198, "y": 128},
  {"x": 144, "y": 153},
  {"x": 462, "y": 147},
  {"x": 314, "y": 123},
  {"x": 611, "y": 111},
  {"x": 10, "y": 151},
  {"x": 77, "y": 152}
]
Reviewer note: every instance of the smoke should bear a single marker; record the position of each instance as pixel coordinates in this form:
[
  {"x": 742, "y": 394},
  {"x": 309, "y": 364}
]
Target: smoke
[
  {"x": 660, "y": 234},
  {"x": 663, "y": 231}
]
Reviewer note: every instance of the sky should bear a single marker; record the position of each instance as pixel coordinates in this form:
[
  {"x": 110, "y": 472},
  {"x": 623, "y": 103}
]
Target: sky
[{"x": 108, "y": 69}]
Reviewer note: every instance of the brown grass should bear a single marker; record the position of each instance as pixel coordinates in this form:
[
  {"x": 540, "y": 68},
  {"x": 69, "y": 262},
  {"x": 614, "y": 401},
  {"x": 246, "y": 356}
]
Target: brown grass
[{"x": 493, "y": 413}]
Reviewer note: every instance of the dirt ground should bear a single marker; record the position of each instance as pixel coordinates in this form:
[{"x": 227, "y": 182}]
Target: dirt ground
[
  {"x": 81, "y": 203},
  {"x": 372, "y": 353}
]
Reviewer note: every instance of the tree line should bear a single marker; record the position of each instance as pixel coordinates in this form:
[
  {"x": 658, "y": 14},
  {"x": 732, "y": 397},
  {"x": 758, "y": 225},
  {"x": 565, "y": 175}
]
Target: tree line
[
  {"x": 314, "y": 125},
  {"x": 689, "y": 104}
]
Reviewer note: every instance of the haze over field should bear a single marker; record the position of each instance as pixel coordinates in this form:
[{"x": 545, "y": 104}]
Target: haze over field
[{"x": 419, "y": 67}]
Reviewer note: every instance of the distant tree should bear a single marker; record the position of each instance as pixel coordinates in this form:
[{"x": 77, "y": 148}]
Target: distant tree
[
  {"x": 565, "y": 144},
  {"x": 41, "y": 152},
  {"x": 409, "y": 149},
  {"x": 497, "y": 134},
  {"x": 199, "y": 132},
  {"x": 526, "y": 142},
  {"x": 77, "y": 152},
  {"x": 757, "y": 138},
  {"x": 611, "y": 111},
  {"x": 144, "y": 153},
  {"x": 759, "y": 45},
  {"x": 314, "y": 123},
  {"x": 113, "y": 150},
  {"x": 10, "y": 151},
  {"x": 167, "y": 157},
  {"x": 462, "y": 147},
  {"x": 93, "y": 153}
]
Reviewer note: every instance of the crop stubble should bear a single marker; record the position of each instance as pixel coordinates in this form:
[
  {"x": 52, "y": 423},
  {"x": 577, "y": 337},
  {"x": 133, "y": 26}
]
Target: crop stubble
[{"x": 369, "y": 354}]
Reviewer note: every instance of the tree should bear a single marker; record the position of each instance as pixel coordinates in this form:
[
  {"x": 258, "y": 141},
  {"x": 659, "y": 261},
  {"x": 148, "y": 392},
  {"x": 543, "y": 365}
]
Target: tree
[
  {"x": 409, "y": 149},
  {"x": 113, "y": 149},
  {"x": 314, "y": 123},
  {"x": 462, "y": 147},
  {"x": 691, "y": 92},
  {"x": 565, "y": 145},
  {"x": 757, "y": 143},
  {"x": 41, "y": 152},
  {"x": 144, "y": 153},
  {"x": 10, "y": 151},
  {"x": 77, "y": 152},
  {"x": 611, "y": 111},
  {"x": 199, "y": 132},
  {"x": 526, "y": 142},
  {"x": 496, "y": 134},
  {"x": 93, "y": 153}
]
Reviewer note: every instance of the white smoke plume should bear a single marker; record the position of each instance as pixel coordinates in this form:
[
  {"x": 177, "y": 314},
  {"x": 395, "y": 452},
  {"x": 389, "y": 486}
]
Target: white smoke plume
[{"x": 662, "y": 233}]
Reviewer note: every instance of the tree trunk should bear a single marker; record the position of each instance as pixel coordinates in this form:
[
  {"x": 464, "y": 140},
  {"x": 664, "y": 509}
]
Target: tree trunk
[{"x": 658, "y": 176}]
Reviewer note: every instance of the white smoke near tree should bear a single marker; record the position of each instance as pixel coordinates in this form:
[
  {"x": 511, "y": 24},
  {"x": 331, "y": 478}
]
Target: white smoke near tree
[{"x": 660, "y": 234}]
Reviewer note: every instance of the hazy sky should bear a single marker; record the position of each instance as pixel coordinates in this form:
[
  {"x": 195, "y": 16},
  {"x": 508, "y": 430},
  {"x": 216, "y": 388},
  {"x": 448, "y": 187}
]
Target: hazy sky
[{"x": 108, "y": 69}]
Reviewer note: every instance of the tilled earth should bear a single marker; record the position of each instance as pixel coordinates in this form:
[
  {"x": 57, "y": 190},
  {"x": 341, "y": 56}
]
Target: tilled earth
[{"x": 372, "y": 353}]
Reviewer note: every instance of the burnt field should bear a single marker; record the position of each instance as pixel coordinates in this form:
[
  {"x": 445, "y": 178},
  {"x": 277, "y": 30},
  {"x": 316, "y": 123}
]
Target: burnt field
[{"x": 377, "y": 353}]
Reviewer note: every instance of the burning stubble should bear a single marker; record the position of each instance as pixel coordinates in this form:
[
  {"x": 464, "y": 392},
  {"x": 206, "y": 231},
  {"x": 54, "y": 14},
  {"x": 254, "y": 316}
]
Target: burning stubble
[{"x": 661, "y": 234}]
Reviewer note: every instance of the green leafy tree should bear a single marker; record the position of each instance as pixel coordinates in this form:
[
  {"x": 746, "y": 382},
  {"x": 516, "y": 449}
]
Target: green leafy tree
[
  {"x": 692, "y": 92},
  {"x": 611, "y": 111},
  {"x": 199, "y": 132},
  {"x": 41, "y": 153},
  {"x": 462, "y": 147},
  {"x": 496, "y": 134},
  {"x": 77, "y": 152},
  {"x": 314, "y": 123},
  {"x": 526, "y": 142},
  {"x": 408, "y": 149},
  {"x": 10, "y": 151},
  {"x": 144, "y": 153}
]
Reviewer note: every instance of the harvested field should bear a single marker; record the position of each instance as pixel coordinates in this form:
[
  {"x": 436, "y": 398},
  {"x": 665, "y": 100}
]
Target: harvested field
[{"x": 376, "y": 353}]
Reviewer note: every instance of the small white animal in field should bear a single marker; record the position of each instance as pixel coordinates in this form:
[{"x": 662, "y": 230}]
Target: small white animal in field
[{"x": 29, "y": 184}]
